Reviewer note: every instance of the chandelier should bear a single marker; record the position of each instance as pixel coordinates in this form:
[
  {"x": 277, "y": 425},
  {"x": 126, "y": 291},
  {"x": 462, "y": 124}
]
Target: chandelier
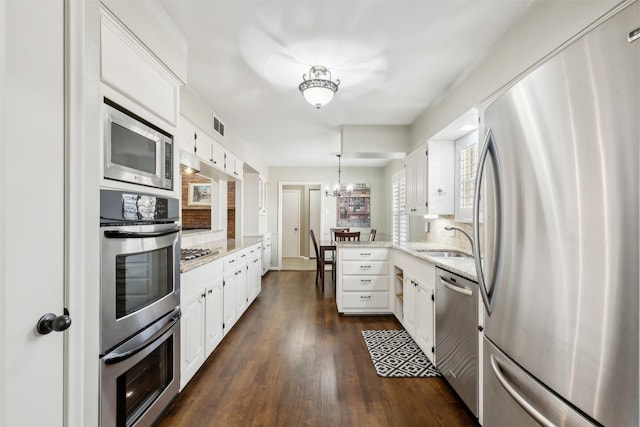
[
  {"x": 337, "y": 189},
  {"x": 317, "y": 90}
]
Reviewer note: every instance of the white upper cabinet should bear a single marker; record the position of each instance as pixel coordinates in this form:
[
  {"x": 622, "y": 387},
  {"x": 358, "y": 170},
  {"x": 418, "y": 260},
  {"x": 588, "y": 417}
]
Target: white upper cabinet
[
  {"x": 131, "y": 69},
  {"x": 416, "y": 170},
  {"x": 430, "y": 179},
  {"x": 440, "y": 178}
]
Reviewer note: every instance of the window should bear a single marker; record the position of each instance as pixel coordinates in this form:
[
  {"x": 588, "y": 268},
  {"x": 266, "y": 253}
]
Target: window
[
  {"x": 400, "y": 221},
  {"x": 466, "y": 162}
]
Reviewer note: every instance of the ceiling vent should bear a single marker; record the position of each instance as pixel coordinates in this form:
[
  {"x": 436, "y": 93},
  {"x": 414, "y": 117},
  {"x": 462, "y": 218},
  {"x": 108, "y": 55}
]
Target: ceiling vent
[{"x": 218, "y": 126}]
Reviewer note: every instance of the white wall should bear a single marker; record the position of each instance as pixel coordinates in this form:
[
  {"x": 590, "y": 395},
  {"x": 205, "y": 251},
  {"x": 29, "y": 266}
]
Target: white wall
[
  {"x": 542, "y": 29},
  {"x": 201, "y": 114},
  {"x": 380, "y": 207}
]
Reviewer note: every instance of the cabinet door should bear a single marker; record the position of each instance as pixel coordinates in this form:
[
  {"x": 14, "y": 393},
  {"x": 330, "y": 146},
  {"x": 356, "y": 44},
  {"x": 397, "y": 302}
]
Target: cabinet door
[
  {"x": 191, "y": 333},
  {"x": 203, "y": 146},
  {"x": 253, "y": 275},
  {"x": 424, "y": 320},
  {"x": 440, "y": 180},
  {"x": 213, "y": 317},
  {"x": 186, "y": 135},
  {"x": 420, "y": 177},
  {"x": 241, "y": 288},
  {"x": 217, "y": 155},
  {"x": 229, "y": 296},
  {"x": 409, "y": 306},
  {"x": 410, "y": 182},
  {"x": 266, "y": 258}
]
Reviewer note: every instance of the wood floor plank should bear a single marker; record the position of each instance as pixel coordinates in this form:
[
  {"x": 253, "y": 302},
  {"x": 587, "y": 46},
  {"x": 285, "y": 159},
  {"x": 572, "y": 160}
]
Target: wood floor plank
[{"x": 292, "y": 360}]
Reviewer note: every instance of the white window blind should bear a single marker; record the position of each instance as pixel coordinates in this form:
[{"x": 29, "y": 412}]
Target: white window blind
[
  {"x": 400, "y": 221},
  {"x": 467, "y": 175},
  {"x": 465, "y": 178}
]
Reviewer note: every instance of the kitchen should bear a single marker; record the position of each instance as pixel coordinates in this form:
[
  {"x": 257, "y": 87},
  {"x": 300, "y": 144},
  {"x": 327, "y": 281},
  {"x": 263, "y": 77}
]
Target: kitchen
[{"x": 72, "y": 180}]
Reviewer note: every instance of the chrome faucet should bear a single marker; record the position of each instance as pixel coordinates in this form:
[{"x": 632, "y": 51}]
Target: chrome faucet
[{"x": 453, "y": 227}]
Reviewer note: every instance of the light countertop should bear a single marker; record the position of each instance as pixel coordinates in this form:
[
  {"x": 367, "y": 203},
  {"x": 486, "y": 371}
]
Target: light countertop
[
  {"x": 220, "y": 249},
  {"x": 464, "y": 267}
]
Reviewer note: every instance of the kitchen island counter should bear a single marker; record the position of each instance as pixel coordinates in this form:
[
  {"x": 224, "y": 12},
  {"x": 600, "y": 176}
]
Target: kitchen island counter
[{"x": 464, "y": 267}]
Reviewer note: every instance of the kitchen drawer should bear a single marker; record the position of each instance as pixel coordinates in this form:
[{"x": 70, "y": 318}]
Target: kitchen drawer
[
  {"x": 365, "y": 267},
  {"x": 243, "y": 256},
  {"x": 230, "y": 263},
  {"x": 365, "y": 283},
  {"x": 376, "y": 254},
  {"x": 372, "y": 300}
]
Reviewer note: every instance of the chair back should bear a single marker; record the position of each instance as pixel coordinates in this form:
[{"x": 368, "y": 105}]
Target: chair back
[
  {"x": 372, "y": 234},
  {"x": 347, "y": 236},
  {"x": 315, "y": 244},
  {"x": 335, "y": 230}
]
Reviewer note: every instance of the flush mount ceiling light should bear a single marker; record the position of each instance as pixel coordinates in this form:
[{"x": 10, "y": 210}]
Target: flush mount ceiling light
[
  {"x": 337, "y": 189},
  {"x": 318, "y": 89}
]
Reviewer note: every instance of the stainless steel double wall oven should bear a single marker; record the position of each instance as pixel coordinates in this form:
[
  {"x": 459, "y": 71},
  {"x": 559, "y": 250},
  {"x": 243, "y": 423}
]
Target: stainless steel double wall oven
[{"x": 140, "y": 314}]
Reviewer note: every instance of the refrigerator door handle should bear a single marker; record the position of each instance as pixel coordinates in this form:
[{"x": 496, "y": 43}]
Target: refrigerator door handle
[
  {"x": 510, "y": 389},
  {"x": 488, "y": 149}
]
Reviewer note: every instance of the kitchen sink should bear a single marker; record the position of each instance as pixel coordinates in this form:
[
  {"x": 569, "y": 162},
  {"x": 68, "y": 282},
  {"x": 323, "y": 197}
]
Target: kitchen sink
[{"x": 443, "y": 254}]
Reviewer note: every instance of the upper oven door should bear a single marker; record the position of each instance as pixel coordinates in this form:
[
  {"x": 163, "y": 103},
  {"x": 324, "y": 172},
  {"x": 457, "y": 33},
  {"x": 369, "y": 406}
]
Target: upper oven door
[
  {"x": 140, "y": 278},
  {"x": 136, "y": 151}
]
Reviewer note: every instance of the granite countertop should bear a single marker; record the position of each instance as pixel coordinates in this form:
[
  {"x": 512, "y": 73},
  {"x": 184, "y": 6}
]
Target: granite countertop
[
  {"x": 464, "y": 267},
  {"x": 220, "y": 249}
]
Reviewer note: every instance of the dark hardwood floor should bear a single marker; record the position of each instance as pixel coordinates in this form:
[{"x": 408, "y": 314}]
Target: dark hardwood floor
[{"x": 292, "y": 360}]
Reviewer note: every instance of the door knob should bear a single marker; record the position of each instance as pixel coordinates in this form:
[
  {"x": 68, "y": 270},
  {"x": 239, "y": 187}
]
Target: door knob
[{"x": 50, "y": 322}]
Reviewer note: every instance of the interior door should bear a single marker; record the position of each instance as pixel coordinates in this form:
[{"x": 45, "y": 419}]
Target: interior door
[
  {"x": 290, "y": 223},
  {"x": 31, "y": 211},
  {"x": 314, "y": 217}
]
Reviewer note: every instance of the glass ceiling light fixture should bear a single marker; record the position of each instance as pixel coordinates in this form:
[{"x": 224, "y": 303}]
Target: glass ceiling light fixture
[
  {"x": 317, "y": 89},
  {"x": 337, "y": 188}
]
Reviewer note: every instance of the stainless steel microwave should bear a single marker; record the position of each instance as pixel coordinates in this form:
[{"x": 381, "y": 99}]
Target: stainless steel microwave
[{"x": 135, "y": 150}]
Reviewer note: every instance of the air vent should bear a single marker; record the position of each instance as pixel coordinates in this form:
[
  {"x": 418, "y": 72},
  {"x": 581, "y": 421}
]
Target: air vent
[{"x": 218, "y": 126}]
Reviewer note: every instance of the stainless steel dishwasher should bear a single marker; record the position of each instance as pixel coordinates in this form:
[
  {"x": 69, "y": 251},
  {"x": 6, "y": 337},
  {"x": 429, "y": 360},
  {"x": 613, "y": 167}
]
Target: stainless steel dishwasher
[{"x": 457, "y": 334}]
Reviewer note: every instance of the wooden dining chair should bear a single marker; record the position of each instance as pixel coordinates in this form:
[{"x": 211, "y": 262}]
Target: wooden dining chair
[
  {"x": 335, "y": 230},
  {"x": 321, "y": 262},
  {"x": 348, "y": 236},
  {"x": 372, "y": 234}
]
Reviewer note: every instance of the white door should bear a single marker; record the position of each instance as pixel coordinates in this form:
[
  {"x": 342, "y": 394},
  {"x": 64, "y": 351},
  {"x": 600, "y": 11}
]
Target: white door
[
  {"x": 290, "y": 223},
  {"x": 314, "y": 218},
  {"x": 31, "y": 211}
]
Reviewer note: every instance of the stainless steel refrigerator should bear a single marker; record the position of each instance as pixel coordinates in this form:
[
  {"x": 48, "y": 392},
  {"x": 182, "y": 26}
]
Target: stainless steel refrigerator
[{"x": 558, "y": 184}]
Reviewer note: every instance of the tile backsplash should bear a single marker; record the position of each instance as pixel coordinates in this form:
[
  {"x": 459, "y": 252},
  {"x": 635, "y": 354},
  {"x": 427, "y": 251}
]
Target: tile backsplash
[{"x": 437, "y": 233}]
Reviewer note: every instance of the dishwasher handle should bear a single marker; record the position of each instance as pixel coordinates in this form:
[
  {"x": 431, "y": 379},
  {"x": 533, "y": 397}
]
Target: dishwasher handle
[{"x": 455, "y": 287}]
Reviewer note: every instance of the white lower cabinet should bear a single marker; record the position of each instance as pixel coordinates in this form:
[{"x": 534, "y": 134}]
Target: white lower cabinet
[
  {"x": 415, "y": 307},
  {"x": 201, "y": 323},
  {"x": 425, "y": 315},
  {"x": 409, "y": 289},
  {"x": 363, "y": 281},
  {"x": 212, "y": 298},
  {"x": 254, "y": 273}
]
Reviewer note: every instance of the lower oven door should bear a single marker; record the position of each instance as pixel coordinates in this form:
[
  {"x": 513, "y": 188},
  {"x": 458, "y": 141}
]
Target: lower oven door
[
  {"x": 140, "y": 279},
  {"x": 140, "y": 378}
]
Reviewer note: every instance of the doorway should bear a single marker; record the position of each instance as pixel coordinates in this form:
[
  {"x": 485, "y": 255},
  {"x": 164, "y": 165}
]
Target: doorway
[
  {"x": 308, "y": 214},
  {"x": 291, "y": 223}
]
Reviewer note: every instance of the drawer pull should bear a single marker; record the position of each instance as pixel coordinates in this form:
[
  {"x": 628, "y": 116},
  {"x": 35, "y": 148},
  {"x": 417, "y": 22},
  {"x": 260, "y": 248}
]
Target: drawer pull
[
  {"x": 365, "y": 266},
  {"x": 365, "y": 280},
  {"x": 365, "y": 253},
  {"x": 365, "y": 296}
]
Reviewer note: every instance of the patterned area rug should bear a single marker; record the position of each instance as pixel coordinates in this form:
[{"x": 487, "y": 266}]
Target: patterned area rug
[{"x": 395, "y": 354}]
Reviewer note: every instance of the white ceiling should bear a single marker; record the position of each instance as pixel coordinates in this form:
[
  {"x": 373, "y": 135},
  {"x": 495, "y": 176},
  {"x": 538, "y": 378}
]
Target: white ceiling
[{"x": 393, "y": 58}]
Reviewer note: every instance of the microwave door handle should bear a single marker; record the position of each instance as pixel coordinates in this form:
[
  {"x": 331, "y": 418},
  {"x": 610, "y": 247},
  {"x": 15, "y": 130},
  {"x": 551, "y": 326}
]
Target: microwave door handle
[
  {"x": 117, "y": 234},
  {"x": 114, "y": 358}
]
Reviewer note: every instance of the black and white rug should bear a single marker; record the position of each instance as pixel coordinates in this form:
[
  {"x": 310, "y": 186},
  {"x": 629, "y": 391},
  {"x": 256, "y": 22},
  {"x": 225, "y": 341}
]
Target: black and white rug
[{"x": 395, "y": 354}]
